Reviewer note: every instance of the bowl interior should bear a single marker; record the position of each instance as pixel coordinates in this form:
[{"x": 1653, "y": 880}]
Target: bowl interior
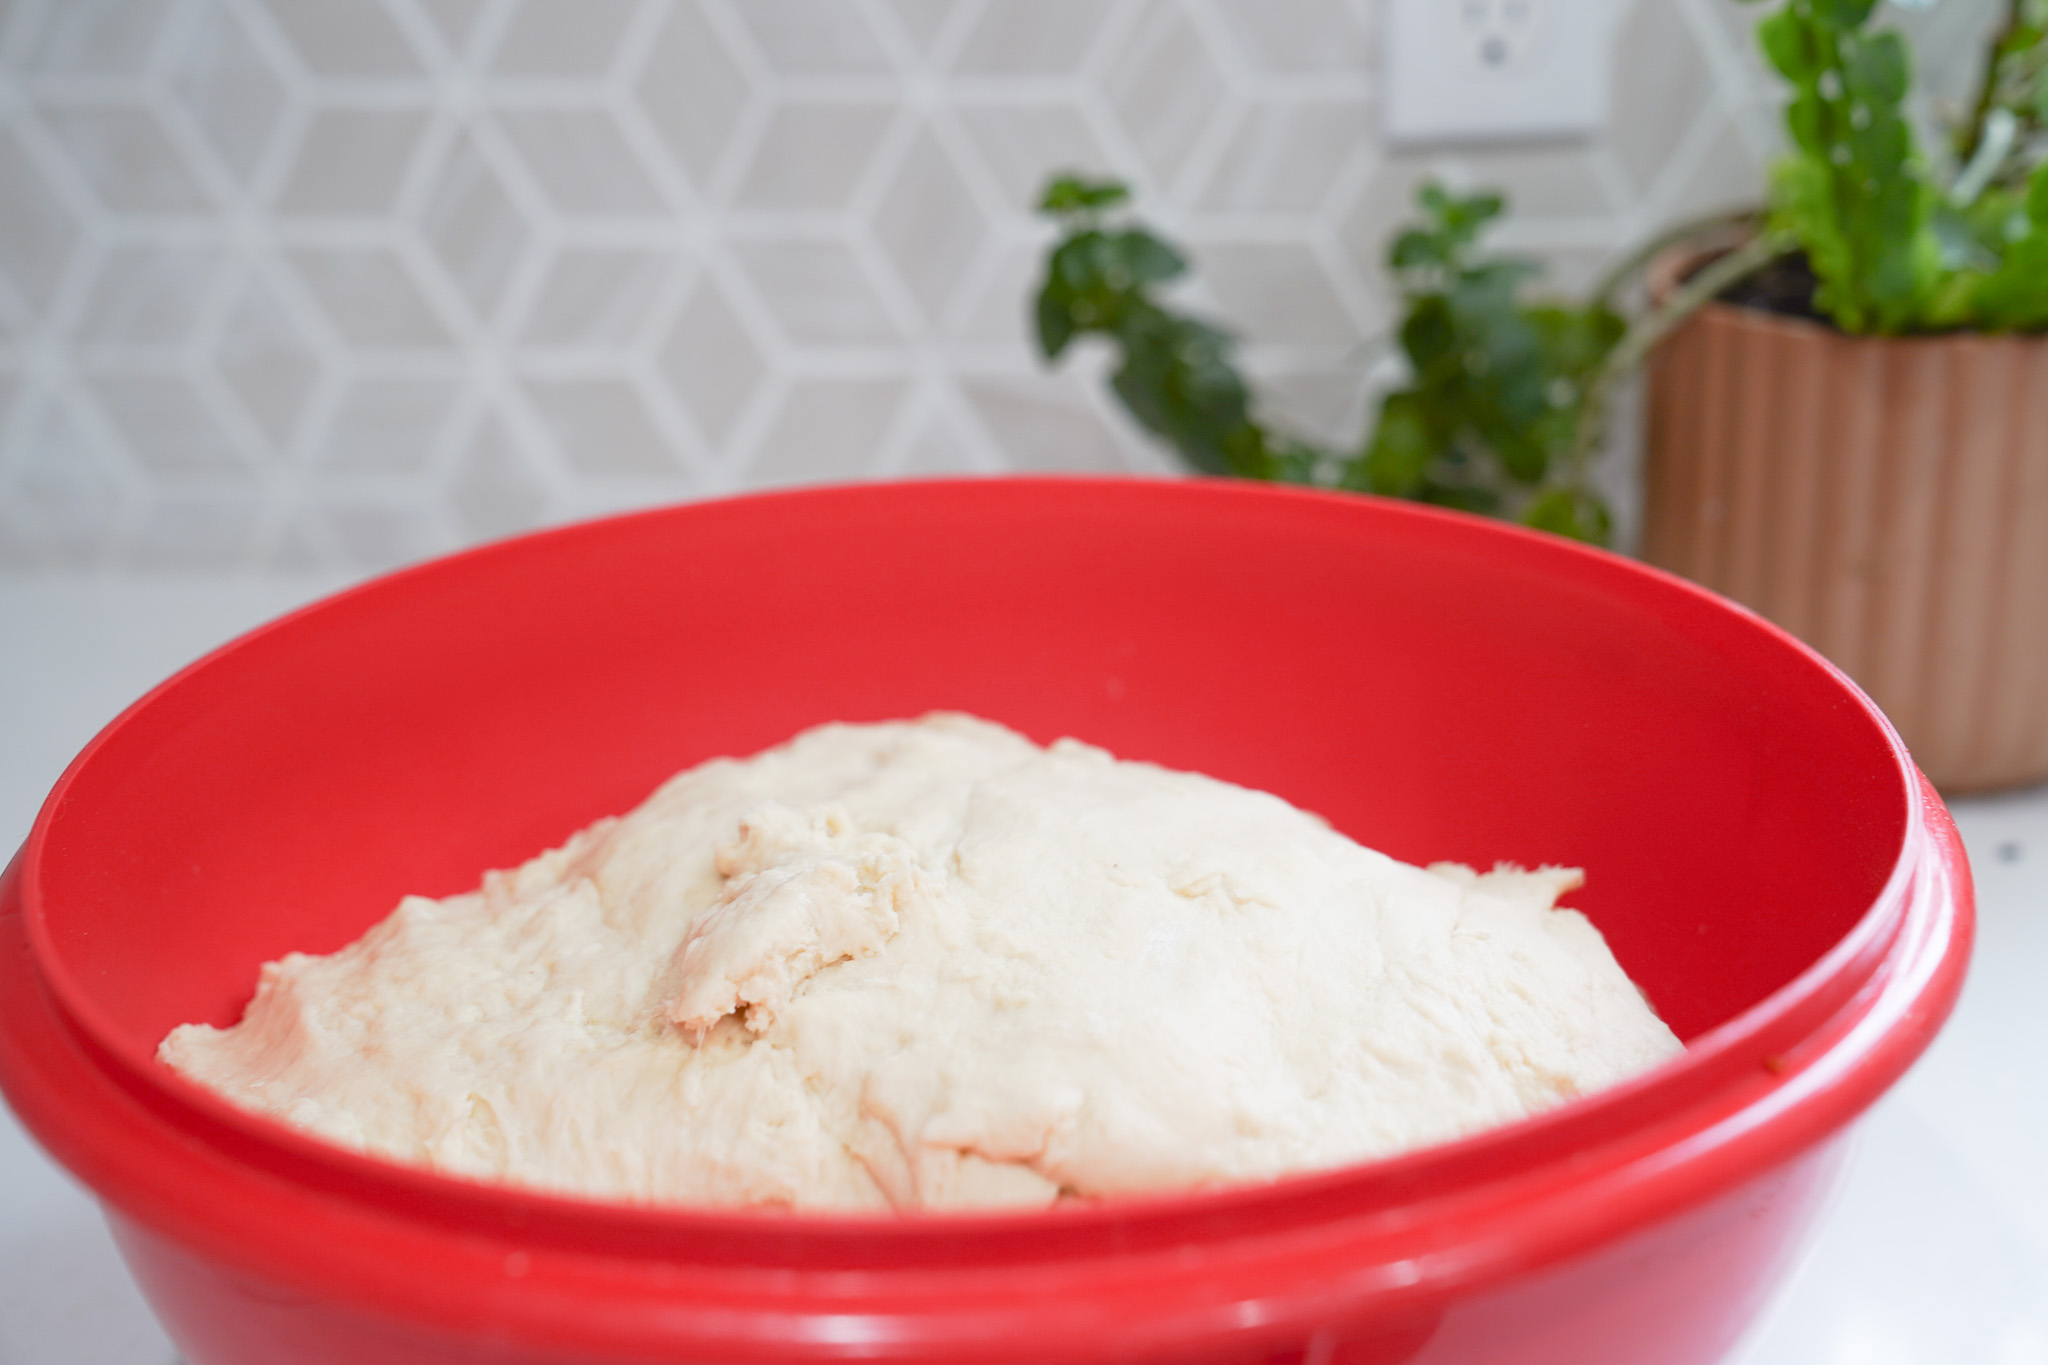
[{"x": 1435, "y": 686}]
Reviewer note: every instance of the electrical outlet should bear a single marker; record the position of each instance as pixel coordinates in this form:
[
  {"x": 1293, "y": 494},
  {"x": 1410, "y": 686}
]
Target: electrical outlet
[{"x": 1494, "y": 70}]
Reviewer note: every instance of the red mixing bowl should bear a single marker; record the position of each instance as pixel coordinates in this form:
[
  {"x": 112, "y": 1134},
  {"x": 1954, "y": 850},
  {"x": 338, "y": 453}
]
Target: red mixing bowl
[{"x": 1761, "y": 855}]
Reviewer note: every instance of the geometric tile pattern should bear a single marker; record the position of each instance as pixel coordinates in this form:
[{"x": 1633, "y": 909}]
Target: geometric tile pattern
[{"x": 309, "y": 283}]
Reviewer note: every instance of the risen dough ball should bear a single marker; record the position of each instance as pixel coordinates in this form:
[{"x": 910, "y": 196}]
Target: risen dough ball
[{"x": 929, "y": 964}]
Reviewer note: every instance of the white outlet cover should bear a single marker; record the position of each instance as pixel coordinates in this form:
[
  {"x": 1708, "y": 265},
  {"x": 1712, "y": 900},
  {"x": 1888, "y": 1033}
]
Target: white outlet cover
[{"x": 1494, "y": 70}]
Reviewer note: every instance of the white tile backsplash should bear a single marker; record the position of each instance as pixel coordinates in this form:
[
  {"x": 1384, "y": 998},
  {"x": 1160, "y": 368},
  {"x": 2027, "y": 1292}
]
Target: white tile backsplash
[
  {"x": 387, "y": 426},
  {"x": 818, "y": 290},
  {"x": 352, "y": 163},
  {"x": 166, "y": 424},
  {"x": 1289, "y": 156},
  {"x": 147, "y": 296},
  {"x": 1306, "y": 37},
  {"x": 828, "y": 428},
  {"x": 562, "y": 39},
  {"x": 598, "y": 299},
  {"x": 813, "y": 37},
  {"x": 219, "y": 79},
  {"x": 354, "y": 38},
  {"x": 473, "y": 225},
  {"x": 265, "y": 354},
  {"x": 1031, "y": 37},
  {"x": 127, "y": 161},
  {"x": 930, "y": 225},
  {"x": 583, "y": 163},
  {"x": 303, "y": 282},
  {"x": 95, "y": 37},
  {"x": 1166, "y": 92},
  {"x": 371, "y": 297},
  {"x": 603, "y": 426},
  {"x": 813, "y": 155},
  {"x": 713, "y": 363}
]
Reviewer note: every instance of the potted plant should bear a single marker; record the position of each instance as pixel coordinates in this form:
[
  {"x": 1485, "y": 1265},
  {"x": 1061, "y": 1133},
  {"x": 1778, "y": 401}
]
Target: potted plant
[
  {"x": 1848, "y": 392},
  {"x": 1853, "y": 440},
  {"x": 1499, "y": 394}
]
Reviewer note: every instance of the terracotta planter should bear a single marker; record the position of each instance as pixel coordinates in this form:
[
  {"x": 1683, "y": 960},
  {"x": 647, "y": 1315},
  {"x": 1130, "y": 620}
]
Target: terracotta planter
[{"x": 1884, "y": 500}]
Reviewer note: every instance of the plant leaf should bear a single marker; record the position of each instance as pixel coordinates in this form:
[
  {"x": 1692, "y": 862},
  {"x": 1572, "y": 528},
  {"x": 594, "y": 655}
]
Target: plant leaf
[
  {"x": 1845, "y": 14},
  {"x": 1055, "y": 321},
  {"x": 1403, "y": 445},
  {"x": 1789, "y": 47},
  {"x": 1569, "y": 512},
  {"x": 1147, "y": 259},
  {"x": 1876, "y": 70},
  {"x": 1071, "y": 194}
]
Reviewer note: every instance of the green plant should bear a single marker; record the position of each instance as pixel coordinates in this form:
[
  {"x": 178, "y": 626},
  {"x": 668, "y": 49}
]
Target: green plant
[
  {"x": 1892, "y": 249},
  {"x": 1506, "y": 399},
  {"x": 1488, "y": 420},
  {"x": 2006, "y": 134},
  {"x": 2001, "y": 191},
  {"x": 1175, "y": 373}
]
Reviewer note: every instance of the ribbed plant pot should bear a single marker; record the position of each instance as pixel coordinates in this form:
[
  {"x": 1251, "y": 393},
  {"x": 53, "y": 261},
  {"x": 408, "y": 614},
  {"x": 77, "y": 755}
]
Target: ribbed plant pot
[{"x": 1885, "y": 500}]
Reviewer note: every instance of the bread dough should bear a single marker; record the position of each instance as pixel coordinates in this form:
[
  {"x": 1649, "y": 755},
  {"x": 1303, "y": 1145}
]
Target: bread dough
[{"x": 929, "y": 965}]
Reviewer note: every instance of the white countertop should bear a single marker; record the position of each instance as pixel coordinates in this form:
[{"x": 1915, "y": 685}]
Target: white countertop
[{"x": 1935, "y": 1253}]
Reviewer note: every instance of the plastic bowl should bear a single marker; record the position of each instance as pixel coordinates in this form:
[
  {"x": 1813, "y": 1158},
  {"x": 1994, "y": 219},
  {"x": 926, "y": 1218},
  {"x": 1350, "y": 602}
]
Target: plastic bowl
[{"x": 1762, "y": 856}]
